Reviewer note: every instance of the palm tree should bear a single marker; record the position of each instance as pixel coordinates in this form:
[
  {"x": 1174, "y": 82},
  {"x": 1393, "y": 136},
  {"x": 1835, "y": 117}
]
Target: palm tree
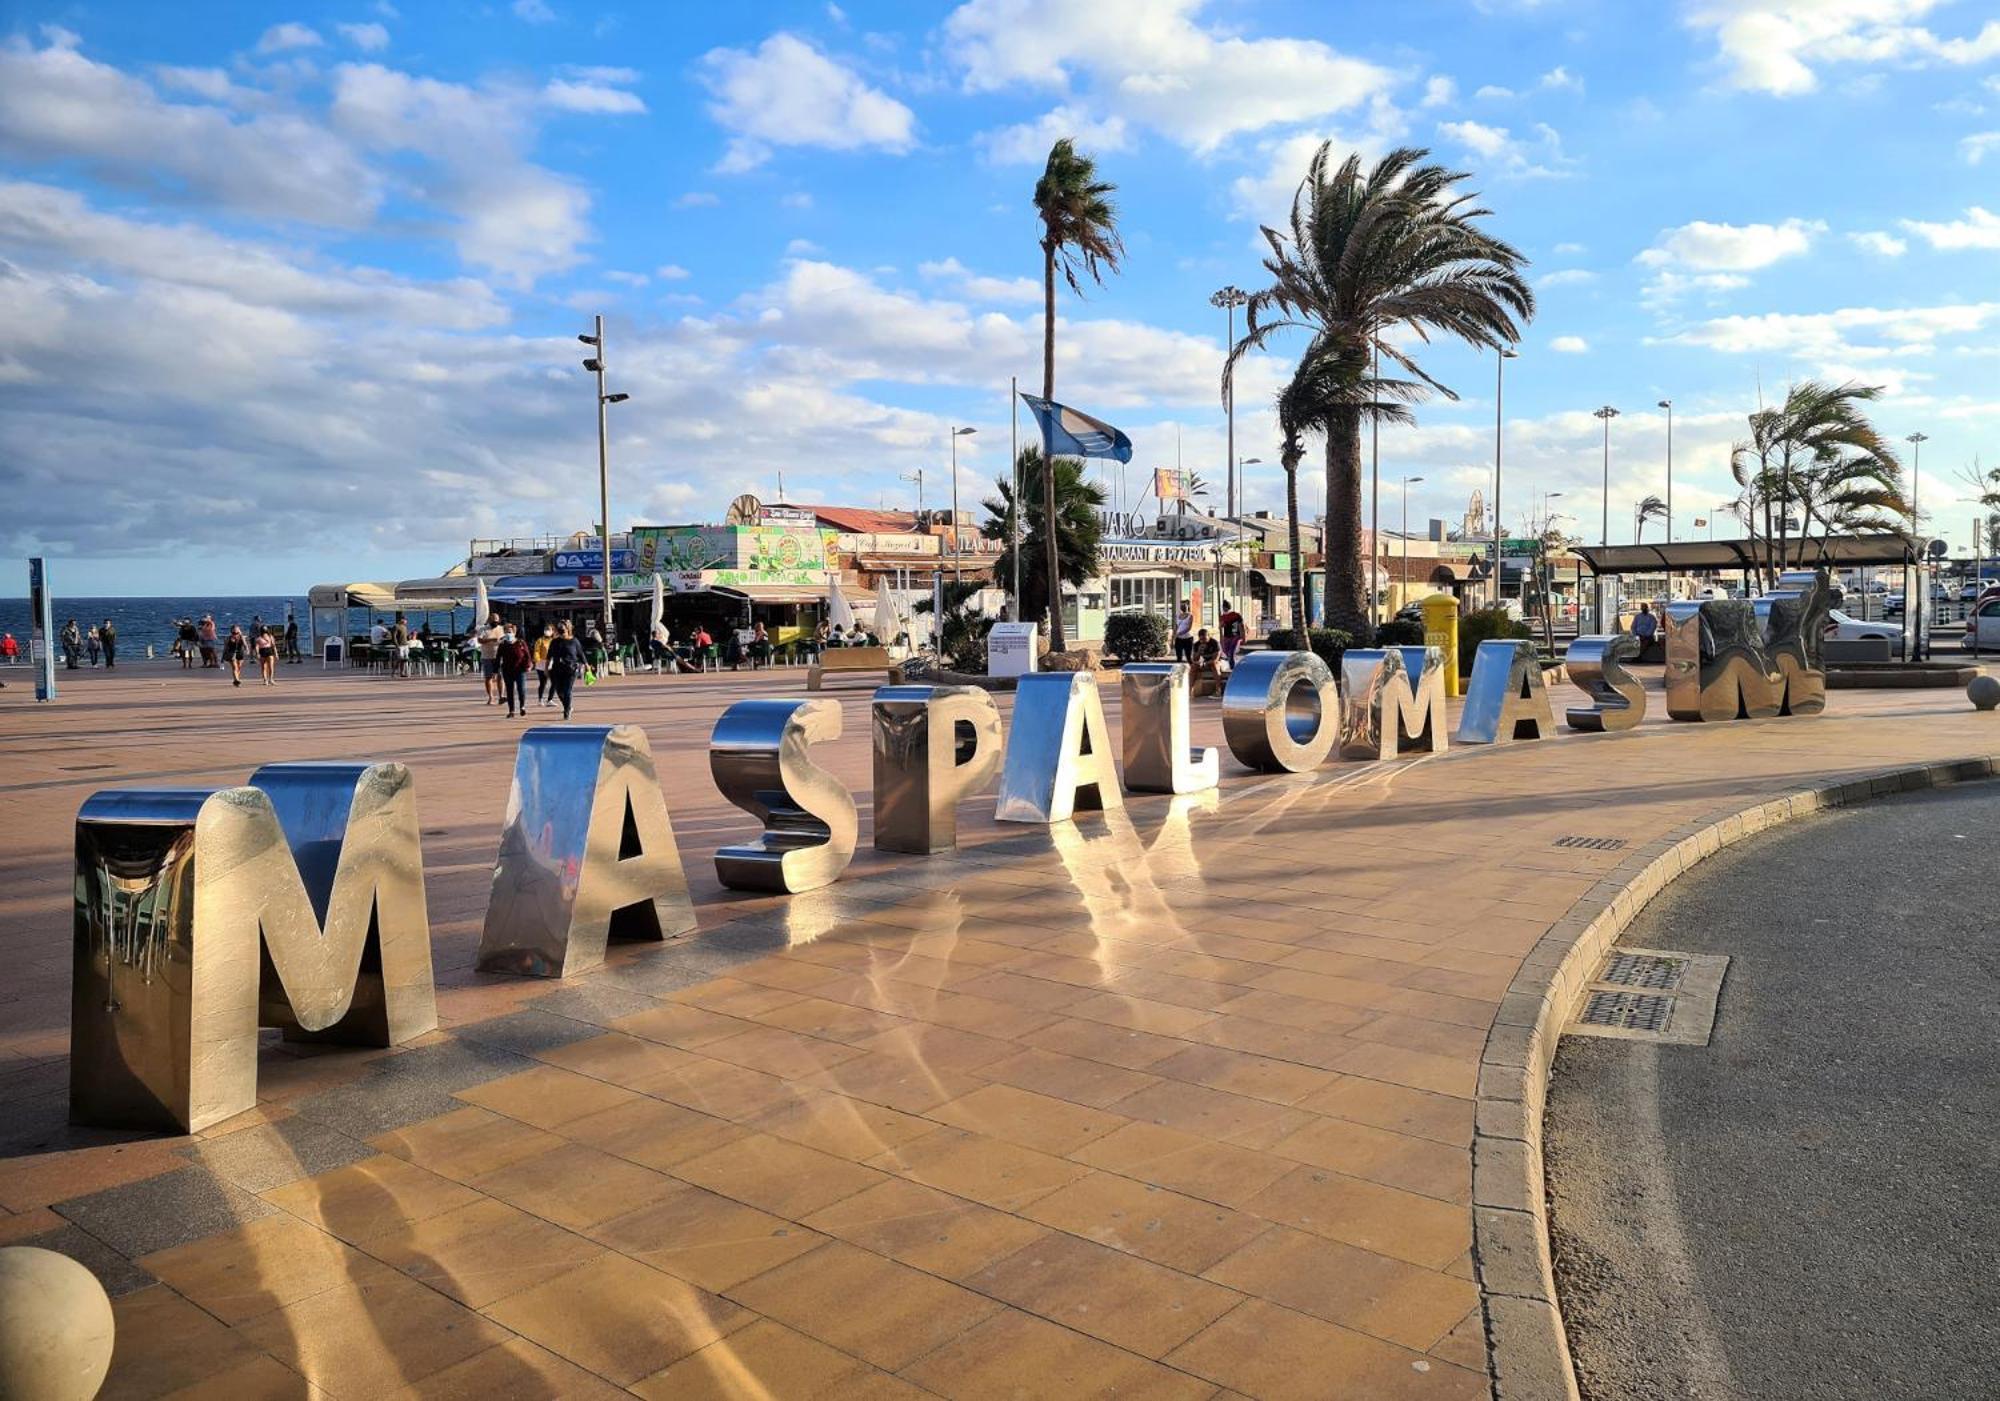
[
  {"x": 1396, "y": 248},
  {"x": 1078, "y": 531},
  {"x": 1079, "y": 235},
  {"x": 1817, "y": 455},
  {"x": 1651, "y": 509}
]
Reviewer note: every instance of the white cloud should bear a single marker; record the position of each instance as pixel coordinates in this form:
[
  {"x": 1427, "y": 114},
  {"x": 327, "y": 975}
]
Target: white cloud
[
  {"x": 629, "y": 279},
  {"x": 1027, "y": 143},
  {"x": 670, "y": 272},
  {"x": 1979, "y": 229},
  {"x": 513, "y": 216},
  {"x": 697, "y": 199},
  {"x": 280, "y": 37},
  {"x": 1570, "y": 345},
  {"x": 533, "y": 11},
  {"x": 1976, "y": 147},
  {"x": 797, "y": 199},
  {"x": 1705, "y": 247},
  {"x": 596, "y": 98},
  {"x": 1566, "y": 277},
  {"x": 1266, "y": 195},
  {"x": 369, "y": 37},
  {"x": 1881, "y": 244},
  {"x": 1505, "y": 154},
  {"x": 58, "y": 105},
  {"x": 787, "y": 93},
  {"x": 1780, "y": 46},
  {"x": 1571, "y": 248},
  {"x": 1439, "y": 91},
  {"x": 979, "y": 287},
  {"x": 1851, "y": 336},
  {"x": 1155, "y": 65},
  {"x": 801, "y": 248},
  {"x": 1493, "y": 92},
  {"x": 1560, "y": 79}
]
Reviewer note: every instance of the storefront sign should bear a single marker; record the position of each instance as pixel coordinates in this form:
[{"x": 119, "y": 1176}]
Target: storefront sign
[
  {"x": 577, "y": 561},
  {"x": 501, "y": 566}
]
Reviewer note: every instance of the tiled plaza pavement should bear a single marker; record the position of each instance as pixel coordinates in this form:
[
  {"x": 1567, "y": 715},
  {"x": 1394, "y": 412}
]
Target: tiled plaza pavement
[{"x": 1175, "y": 1103}]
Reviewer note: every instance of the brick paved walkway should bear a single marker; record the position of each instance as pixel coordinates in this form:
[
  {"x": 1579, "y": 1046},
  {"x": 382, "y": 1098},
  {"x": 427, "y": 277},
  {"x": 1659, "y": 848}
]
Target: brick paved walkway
[{"x": 1175, "y": 1103}]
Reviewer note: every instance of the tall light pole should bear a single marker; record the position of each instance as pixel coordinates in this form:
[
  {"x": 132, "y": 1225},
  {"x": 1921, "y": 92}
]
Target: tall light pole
[
  {"x": 1916, "y": 442},
  {"x": 1607, "y": 413},
  {"x": 1014, "y": 470},
  {"x": 1668, "y": 405},
  {"x": 1374, "y": 507},
  {"x": 595, "y": 364},
  {"x": 1499, "y": 386},
  {"x": 1230, "y": 298},
  {"x": 957, "y": 569},
  {"x": 1405, "y": 571}
]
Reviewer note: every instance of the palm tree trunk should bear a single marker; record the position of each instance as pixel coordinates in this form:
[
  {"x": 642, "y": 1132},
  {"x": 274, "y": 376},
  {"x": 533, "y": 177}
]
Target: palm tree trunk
[
  {"x": 1298, "y": 557},
  {"x": 1053, "y": 560},
  {"x": 1346, "y": 596}
]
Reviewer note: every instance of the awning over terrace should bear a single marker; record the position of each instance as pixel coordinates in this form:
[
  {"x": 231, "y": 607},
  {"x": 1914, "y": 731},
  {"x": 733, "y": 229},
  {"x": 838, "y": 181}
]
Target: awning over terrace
[{"x": 1682, "y": 556}]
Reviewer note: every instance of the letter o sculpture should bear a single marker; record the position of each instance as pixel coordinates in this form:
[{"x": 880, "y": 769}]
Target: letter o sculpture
[{"x": 1281, "y": 712}]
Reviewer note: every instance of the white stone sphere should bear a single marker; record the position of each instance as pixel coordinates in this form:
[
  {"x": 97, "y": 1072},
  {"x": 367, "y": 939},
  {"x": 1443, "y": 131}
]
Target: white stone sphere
[
  {"x": 1984, "y": 692},
  {"x": 55, "y": 1327}
]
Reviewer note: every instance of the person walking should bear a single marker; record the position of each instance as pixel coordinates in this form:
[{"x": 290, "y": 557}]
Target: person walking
[
  {"x": 233, "y": 648},
  {"x": 399, "y": 640},
  {"x": 489, "y": 656},
  {"x": 565, "y": 665},
  {"x": 107, "y": 637},
  {"x": 539, "y": 654},
  {"x": 292, "y": 638},
  {"x": 187, "y": 643},
  {"x": 72, "y": 644},
  {"x": 1184, "y": 633},
  {"x": 515, "y": 660},
  {"x": 93, "y": 646},
  {"x": 267, "y": 655},
  {"x": 1232, "y": 632},
  {"x": 205, "y": 640}
]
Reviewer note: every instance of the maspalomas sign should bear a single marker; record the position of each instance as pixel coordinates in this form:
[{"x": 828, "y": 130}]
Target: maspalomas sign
[{"x": 297, "y": 901}]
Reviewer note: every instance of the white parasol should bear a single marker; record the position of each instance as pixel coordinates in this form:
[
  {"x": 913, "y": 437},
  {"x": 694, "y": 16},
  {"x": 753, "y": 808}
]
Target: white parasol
[
  {"x": 839, "y": 613},
  {"x": 659, "y": 602},
  {"x": 888, "y": 617},
  {"x": 480, "y": 609}
]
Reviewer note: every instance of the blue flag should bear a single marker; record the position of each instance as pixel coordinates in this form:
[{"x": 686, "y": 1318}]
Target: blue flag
[{"x": 1070, "y": 433}]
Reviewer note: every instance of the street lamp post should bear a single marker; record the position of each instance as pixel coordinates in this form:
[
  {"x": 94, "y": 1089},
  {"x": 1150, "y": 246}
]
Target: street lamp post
[
  {"x": 1405, "y": 571},
  {"x": 595, "y": 364},
  {"x": 957, "y": 568},
  {"x": 1916, "y": 442},
  {"x": 1230, "y": 298},
  {"x": 1668, "y": 405},
  {"x": 1607, "y": 413},
  {"x": 1374, "y": 502},
  {"x": 1499, "y": 384}
]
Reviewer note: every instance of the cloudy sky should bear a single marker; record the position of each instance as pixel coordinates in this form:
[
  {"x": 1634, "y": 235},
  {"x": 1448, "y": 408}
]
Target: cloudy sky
[{"x": 289, "y": 294}]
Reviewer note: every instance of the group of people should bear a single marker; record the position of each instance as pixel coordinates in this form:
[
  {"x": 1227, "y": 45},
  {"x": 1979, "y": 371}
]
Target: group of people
[
  {"x": 1209, "y": 656},
  {"x": 100, "y": 644},
  {"x": 196, "y": 642},
  {"x": 506, "y": 656}
]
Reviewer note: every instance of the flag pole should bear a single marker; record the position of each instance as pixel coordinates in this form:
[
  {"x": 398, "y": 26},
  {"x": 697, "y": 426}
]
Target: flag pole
[{"x": 1014, "y": 447}]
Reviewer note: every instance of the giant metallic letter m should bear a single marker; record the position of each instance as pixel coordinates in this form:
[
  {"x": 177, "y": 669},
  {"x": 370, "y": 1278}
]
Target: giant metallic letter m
[{"x": 296, "y": 902}]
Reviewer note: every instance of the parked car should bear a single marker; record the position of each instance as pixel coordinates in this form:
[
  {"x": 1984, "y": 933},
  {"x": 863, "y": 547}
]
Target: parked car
[
  {"x": 1892, "y": 606},
  {"x": 1847, "y": 628},
  {"x": 1982, "y": 629}
]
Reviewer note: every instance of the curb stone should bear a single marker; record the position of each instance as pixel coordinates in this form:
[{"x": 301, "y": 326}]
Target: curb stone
[{"x": 1527, "y": 1347}]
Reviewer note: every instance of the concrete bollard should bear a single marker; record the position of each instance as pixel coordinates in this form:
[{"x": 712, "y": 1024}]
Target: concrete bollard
[
  {"x": 55, "y": 1327},
  {"x": 1984, "y": 692}
]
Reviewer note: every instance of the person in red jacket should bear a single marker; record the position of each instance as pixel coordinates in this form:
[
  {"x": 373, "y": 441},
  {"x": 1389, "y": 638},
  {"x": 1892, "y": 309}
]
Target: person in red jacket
[{"x": 515, "y": 660}]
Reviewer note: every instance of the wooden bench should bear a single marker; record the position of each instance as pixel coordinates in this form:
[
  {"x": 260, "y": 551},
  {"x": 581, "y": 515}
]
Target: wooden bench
[{"x": 844, "y": 659}]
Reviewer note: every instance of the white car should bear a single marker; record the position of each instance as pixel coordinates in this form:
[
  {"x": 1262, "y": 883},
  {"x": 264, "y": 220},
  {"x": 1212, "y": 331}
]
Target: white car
[
  {"x": 1846, "y": 628},
  {"x": 1983, "y": 628}
]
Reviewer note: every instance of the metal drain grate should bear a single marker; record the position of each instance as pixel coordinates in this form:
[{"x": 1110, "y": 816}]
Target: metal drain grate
[
  {"x": 1644, "y": 970},
  {"x": 1628, "y": 1011},
  {"x": 1592, "y": 843}
]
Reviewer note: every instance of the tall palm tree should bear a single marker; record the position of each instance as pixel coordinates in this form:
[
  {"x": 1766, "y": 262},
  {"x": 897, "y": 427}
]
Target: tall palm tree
[
  {"x": 1077, "y": 534},
  {"x": 1651, "y": 509},
  {"x": 1395, "y": 249},
  {"x": 1079, "y": 236},
  {"x": 1817, "y": 455}
]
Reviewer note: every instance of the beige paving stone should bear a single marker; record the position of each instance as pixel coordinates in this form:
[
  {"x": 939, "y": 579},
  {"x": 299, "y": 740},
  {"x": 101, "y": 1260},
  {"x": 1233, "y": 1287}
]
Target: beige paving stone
[
  {"x": 466, "y": 1143},
  {"x": 483, "y": 1252},
  {"x": 907, "y": 1313},
  {"x": 163, "y": 1342},
  {"x": 1000, "y": 1174},
  {"x": 547, "y": 1096},
  {"x": 777, "y": 1175},
  {"x": 618, "y": 1318},
  {"x": 574, "y": 1186},
  {"x": 1016, "y": 1355},
  {"x": 1263, "y": 1350},
  {"x": 1422, "y": 1230},
  {"x": 705, "y": 1238},
  {"x": 515, "y": 1368},
  {"x": 1106, "y": 1293},
  {"x": 1391, "y": 1299},
  {"x": 1068, "y": 1077},
  {"x": 652, "y": 1132},
  {"x": 373, "y": 1197},
  {"x": 263, "y": 1265},
  {"x": 1021, "y": 1116},
  {"x": 1216, "y": 1172},
  {"x": 259, "y": 1378},
  {"x": 761, "y": 1362},
  {"x": 1444, "y": 1118},
  {"x": 930, "y": 1230},
  {"x": 361, "y": 1341},
  {"x": 1166, "y": 1227},
  {"x": 1393, "y": 1159}
]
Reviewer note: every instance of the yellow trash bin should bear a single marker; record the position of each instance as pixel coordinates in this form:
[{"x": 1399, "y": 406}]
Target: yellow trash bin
[{"x": 1441, "y": 631}]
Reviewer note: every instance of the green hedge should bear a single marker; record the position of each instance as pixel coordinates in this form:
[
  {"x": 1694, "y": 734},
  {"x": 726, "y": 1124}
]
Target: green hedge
[
  {"x": 1327, "y": 643},
  {"x": 1486, "y": 625},
  {"x": 1135, "y": 636}
]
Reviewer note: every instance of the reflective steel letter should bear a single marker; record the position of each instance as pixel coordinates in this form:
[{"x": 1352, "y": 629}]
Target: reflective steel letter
[
  {"x": 933, "y": 745},
  {"x": 1154, "y": 716},
  {"x": 1058, "y": 752},
  {"x": 1733, "y": 659},
  {"x": 759, "y": 757},
  {"x": 587, "y": 854},
  {"x": 1596, "y": 666},
  {"x": 1506, "y": 700},
  {"x": 1281, "y": 711},
  {"x": 1382, "y": 711},
  {"x": 202, "y": 914}
]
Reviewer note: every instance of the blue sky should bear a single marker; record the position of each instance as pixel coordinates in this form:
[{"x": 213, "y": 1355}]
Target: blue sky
[{"x": 288, "y": 294}]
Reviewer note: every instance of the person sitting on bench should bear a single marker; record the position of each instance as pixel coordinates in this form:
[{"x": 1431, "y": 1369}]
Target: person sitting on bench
[{"x": 1206, "y": 660}]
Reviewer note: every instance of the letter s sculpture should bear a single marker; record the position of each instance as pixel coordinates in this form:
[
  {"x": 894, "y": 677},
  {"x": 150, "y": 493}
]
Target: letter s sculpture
[{"x": 759, "y": 755}]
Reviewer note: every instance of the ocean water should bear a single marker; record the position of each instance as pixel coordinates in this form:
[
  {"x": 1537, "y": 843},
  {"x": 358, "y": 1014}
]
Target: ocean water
[{"x": 152, "y": 620}]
